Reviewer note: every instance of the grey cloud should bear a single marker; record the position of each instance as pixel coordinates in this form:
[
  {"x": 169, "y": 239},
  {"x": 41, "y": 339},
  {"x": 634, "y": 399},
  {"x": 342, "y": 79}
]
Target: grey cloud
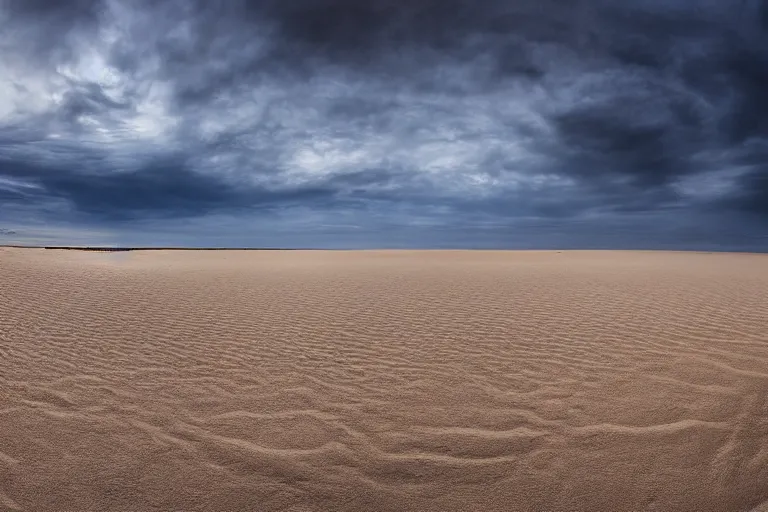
[
  {"x": 162, "y": 188},
  {"x": 47, "y": 28},
  {"x": 473, "y": 113}
]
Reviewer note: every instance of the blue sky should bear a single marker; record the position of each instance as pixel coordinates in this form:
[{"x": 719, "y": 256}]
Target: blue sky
[{"x": 339, "y": 123}]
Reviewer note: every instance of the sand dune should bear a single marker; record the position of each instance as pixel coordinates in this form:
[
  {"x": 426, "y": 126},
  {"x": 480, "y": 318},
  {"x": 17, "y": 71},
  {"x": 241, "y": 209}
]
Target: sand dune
[{"x": 308, "y": 381}]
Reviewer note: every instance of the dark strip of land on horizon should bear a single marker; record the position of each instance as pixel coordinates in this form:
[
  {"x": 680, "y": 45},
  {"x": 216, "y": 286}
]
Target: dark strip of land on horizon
[{"x": 123, "y": 249}]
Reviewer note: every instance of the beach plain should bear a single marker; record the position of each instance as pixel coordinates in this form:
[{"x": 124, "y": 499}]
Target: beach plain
[{"x": 383, "y": 380}]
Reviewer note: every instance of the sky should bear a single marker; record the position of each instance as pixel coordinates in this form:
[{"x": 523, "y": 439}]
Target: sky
[{"x": 521, "y": 124}]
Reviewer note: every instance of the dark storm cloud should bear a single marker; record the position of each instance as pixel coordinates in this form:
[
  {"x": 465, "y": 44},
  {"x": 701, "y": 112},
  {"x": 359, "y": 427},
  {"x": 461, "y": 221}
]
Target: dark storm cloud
[
  {"x": 388, "y": 39},
  {"x": 165, "y": 188},
  {"x": 47, "y": 27},
  {"x": 468, "y": 112},
  {"x": 345, "y": 30}
]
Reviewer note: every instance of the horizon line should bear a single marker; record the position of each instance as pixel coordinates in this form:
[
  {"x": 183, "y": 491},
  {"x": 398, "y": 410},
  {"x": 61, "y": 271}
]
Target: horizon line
[{"x": 180, "y": 248}]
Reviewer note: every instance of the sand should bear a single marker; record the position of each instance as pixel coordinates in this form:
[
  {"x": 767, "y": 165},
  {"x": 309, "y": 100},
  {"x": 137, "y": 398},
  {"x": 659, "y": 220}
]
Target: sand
[{"x": 383, "y": 380}]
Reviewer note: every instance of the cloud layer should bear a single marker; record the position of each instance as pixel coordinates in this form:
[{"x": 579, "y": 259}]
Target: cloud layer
[{"x": 439, "y": 123}]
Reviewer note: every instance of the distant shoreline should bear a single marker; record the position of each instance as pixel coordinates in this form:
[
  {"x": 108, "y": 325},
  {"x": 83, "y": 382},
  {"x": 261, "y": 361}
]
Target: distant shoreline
[
  {"x": 129, "y": 249},
  {"x": 124, "y": 249}
]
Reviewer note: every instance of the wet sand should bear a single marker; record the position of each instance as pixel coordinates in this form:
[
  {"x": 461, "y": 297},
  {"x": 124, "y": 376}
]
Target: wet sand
[{"x": 383, "y": 380}]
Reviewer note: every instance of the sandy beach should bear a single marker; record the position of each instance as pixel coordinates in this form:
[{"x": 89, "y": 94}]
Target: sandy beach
[{"x": 383, "y": 381}]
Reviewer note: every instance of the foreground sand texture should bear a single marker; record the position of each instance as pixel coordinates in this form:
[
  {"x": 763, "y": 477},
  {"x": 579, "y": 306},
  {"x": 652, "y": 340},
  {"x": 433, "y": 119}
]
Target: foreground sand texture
[{"x": 363, "y": 381}]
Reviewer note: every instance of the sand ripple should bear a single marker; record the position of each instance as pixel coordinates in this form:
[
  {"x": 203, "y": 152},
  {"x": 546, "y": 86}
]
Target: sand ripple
[{"x": 383, "y": 381}]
